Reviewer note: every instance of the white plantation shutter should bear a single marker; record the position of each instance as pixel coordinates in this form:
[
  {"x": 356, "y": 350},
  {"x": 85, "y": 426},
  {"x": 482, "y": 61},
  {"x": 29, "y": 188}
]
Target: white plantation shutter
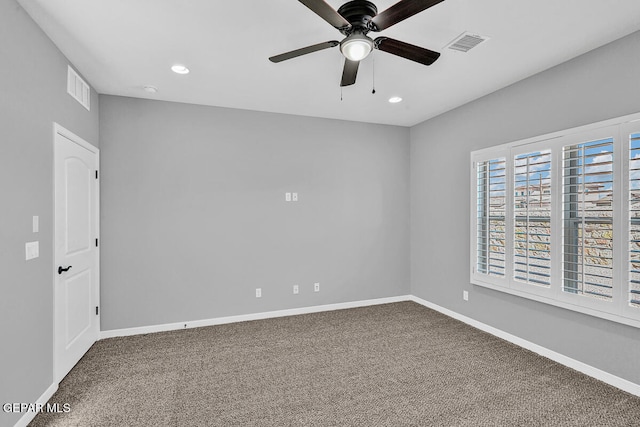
[
  {"x": 490, "y": 216},
  {"x": 588, "y": 219},
  {"x": 532, "y": 218},
  {"x": 634, "y": 220},
  {"x": 559, "y": 221}
]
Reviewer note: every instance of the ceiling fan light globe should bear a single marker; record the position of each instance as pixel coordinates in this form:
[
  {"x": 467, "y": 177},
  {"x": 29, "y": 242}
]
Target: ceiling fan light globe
[{"x": 356, "y": 47}]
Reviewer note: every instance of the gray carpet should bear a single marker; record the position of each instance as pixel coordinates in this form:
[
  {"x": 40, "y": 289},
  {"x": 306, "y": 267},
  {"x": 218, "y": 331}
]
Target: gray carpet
[{"x": 388, "y": 365}]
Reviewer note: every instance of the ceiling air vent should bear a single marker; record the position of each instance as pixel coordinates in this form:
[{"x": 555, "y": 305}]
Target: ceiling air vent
[
  {"x": 78, "y": 89},
  {"x": 466, "y": 41}
]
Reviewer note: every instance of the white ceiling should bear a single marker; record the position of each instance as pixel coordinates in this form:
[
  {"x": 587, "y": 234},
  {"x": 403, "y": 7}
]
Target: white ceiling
[{"x": 122, "y": 45}]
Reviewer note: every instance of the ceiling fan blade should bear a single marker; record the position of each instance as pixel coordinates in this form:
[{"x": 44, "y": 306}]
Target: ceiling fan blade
[
  {"x": 406, "y": 50},
  {"x": 303, "y": 51},
  {"x": 399, "y": 12},
  {"x": 349, "y": 72},
  {"x": 326, "y": 12}
]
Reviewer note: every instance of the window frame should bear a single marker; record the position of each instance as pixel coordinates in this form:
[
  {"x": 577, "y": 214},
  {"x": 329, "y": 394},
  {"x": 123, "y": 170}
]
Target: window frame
[
  {"x": 618, "y": 309},
  {"x": 626, "y": 130},
  {"x": 517, "y": 150},
  {"x": 618, "y": 172},
  {"x": 485, "y": 156}
]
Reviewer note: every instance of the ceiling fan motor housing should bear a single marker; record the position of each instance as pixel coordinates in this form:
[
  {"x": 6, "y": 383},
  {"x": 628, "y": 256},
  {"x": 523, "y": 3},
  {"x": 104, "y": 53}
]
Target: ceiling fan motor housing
[{"x": 359, "y": 13}]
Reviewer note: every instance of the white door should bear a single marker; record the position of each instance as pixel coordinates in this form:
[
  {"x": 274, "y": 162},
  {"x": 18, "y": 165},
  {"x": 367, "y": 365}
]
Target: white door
[{"x": 76, "y": 284}]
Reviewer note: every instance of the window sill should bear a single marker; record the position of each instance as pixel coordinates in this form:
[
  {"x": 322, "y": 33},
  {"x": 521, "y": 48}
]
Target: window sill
[{"x": 618, "y": 318}]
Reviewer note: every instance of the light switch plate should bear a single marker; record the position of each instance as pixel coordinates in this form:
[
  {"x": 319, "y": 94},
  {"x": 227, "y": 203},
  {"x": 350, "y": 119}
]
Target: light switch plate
[
  {"x": 32, "y": 250},
  {"x": 287, "y": 197}
]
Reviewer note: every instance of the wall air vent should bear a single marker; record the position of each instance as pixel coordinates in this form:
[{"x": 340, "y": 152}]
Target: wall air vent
[
  {"x": 466, "y": 41},
  {"x": 78, "y": 89}
]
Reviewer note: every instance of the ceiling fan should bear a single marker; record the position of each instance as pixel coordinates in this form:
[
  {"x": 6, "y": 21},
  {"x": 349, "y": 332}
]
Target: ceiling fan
[{"x": 355, "y": 19}]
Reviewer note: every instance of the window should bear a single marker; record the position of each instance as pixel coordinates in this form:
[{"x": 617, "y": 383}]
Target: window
[
  {"x": 550, "y": 215},
  {"x": 491, "y": 192},
  {"x": 587, "y": 217},
  {"x": 532, "y": 217},
  {"x": 634, "y": 220}
]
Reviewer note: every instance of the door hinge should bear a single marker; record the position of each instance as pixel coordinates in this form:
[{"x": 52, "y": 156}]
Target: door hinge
[
  {"x": 96, "y": 174},
  {"x": 96, "y": 310}
]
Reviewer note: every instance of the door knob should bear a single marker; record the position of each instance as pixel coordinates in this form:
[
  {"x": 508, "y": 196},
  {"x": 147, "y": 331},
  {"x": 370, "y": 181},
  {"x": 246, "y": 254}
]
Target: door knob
[{"x": 62, "y": 270}]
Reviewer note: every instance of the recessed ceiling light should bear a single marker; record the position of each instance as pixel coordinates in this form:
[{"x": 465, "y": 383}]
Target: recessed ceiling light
[
  {"x": 395, "y": 99},
  {"x": 150, "y": 89},
  {"x": 180, "y": 69}
]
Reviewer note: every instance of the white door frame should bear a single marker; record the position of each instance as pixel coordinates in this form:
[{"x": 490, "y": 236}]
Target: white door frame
[{"x": 59, "y": 130}]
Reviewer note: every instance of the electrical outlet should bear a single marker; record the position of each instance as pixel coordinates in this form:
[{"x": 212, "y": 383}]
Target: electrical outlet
[
  {"x": 316, "y": 287},
  {"x": 465, "y": 295},
  {"x": 258, "y": 292},
  {"x": 296, "y": 289}
]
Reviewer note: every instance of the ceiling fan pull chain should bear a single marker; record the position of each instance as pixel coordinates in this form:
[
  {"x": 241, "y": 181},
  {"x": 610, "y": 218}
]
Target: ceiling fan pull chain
[{"x": 373, "y": 68}]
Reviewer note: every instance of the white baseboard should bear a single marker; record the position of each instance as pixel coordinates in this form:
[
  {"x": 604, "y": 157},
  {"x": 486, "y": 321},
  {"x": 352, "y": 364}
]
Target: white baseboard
[
  {"x": 248, "y": 317},
  {"x": 596, "y": 373},
  {"x": 29, "y": 416},
  {"x": 599, "y": 374}
]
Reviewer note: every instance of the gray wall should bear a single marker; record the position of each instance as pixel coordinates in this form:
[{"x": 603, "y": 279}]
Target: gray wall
[
  {"x": 599, "y": 85},
  {"x": 32, "y": 96},
  {"x": 194, "y": 217}
]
